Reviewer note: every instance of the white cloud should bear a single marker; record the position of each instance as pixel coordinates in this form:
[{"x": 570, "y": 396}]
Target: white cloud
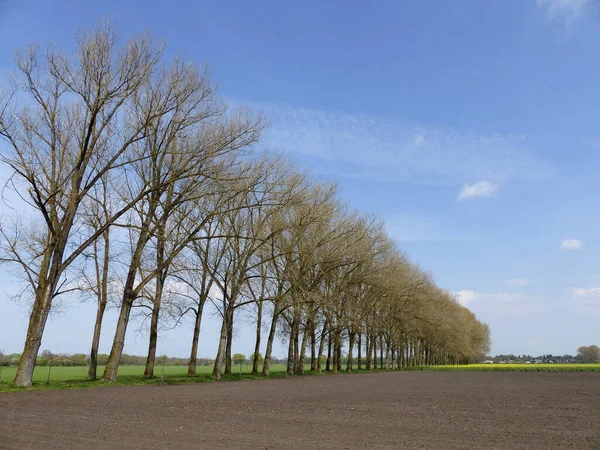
[
  {"x": 571, "y": 244},
  {"x": 590, "y": 292},
  {"x": 531, "y": 342},
  {"x": 588, "y": 299},
  {"x": 500, "y": 302},
  {"x": 569, "y": 10},
  {"x": 465, "y": 297},
  {"x": 377, "y": 149},
  {"x": 503, "y": 297},
  {"x": 480, "y": 189},
  {"x": 517, "y": 282},
  {"x": 468, "y": 296}
]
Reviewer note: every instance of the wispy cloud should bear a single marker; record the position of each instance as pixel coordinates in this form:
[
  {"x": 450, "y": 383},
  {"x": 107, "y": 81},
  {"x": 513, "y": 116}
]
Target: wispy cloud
[
  {"x": 480, "y": 189},
  {"x": 571, "y": 244},
  {"x": 587, "y": 299},
  {"x": 569, "y": 10},
  {"x": 376, "y": 149},
  {"x": 587, "y": 292},
  {"x": 413, "y": 228},
  {"x": 517, "y": 282},
  {"x": 468, "y": 296},
  {"x": 531, "y": 342},
  {"x": 500, "y": 302}
]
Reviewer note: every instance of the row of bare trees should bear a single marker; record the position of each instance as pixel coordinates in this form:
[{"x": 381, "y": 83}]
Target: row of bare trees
[{"x": 144, "y": 190}]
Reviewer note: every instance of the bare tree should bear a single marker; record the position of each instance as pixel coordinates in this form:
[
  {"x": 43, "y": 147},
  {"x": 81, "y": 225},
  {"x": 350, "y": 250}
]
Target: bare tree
[
  {"x": 69, "y": 121},
  {"x": 247, "y": 230},
  {"x": 192, "y": 167},
  {"x": 96, "y": 212},
  {"x": 193, "y": 274}
]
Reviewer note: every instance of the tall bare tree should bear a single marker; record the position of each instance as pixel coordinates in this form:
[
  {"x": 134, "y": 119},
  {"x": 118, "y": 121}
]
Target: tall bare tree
[
  {"x": 191, "y": 166},
  {"x": 97, "y": 211},
  {"x": 68, "y": 121}
]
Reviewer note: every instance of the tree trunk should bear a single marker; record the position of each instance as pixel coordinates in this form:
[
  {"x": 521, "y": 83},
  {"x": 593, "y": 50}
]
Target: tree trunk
[
  {"x": 339, "y": 351},
  {"x": 368, "y": 350},
  {"x": 112, "y": 365},
  {"x": 93, "y": 367},
  {"x": 321, "y": 344},
  {"x": 257, "y": 343},
  {"x": 350, "y": 347},
  {"x": 313, "y": 347},
  {"x": 292, "y": 347},
  {"x": 303, "y": 348},
  {"x": 334, "y": 362},
  {"x": 219, "y": 359},
  {"x": 195, "y": 338},
  {"x": 151, "y": 358},
  {"x": 37, "y": 322},
  {"x": 374, "y": 339},
  {"x": 129, "y": 295},
  {"x": 360, "y": 348},
  {"x": 403, "y": 354},
  {"x": 388, "y": 356},
  {"x": 329, "y": 344},
  {"x": 48, "y": 279},
  {"x": 102, "y": 301},
  {"x": 161, "y": 278},
  {"x": 370, "y": 361},
  {"x": 271, "y": 338},
  {"x": 297, "y": 351},
  {"x": 229, "y": 341}
]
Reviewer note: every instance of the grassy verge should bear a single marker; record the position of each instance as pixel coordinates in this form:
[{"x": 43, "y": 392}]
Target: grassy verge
[{"x": 75, "y": 377}]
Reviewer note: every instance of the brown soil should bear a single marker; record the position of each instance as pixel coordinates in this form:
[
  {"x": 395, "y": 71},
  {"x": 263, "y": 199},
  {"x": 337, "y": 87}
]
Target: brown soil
[{"x": 402, "y": 410}]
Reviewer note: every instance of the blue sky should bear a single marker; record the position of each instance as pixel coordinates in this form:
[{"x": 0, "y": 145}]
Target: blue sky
[{"x": 469, "y": 126}]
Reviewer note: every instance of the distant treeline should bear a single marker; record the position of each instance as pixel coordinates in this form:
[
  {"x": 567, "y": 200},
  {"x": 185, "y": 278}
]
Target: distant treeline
[{"x": 584, "y": 354}]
